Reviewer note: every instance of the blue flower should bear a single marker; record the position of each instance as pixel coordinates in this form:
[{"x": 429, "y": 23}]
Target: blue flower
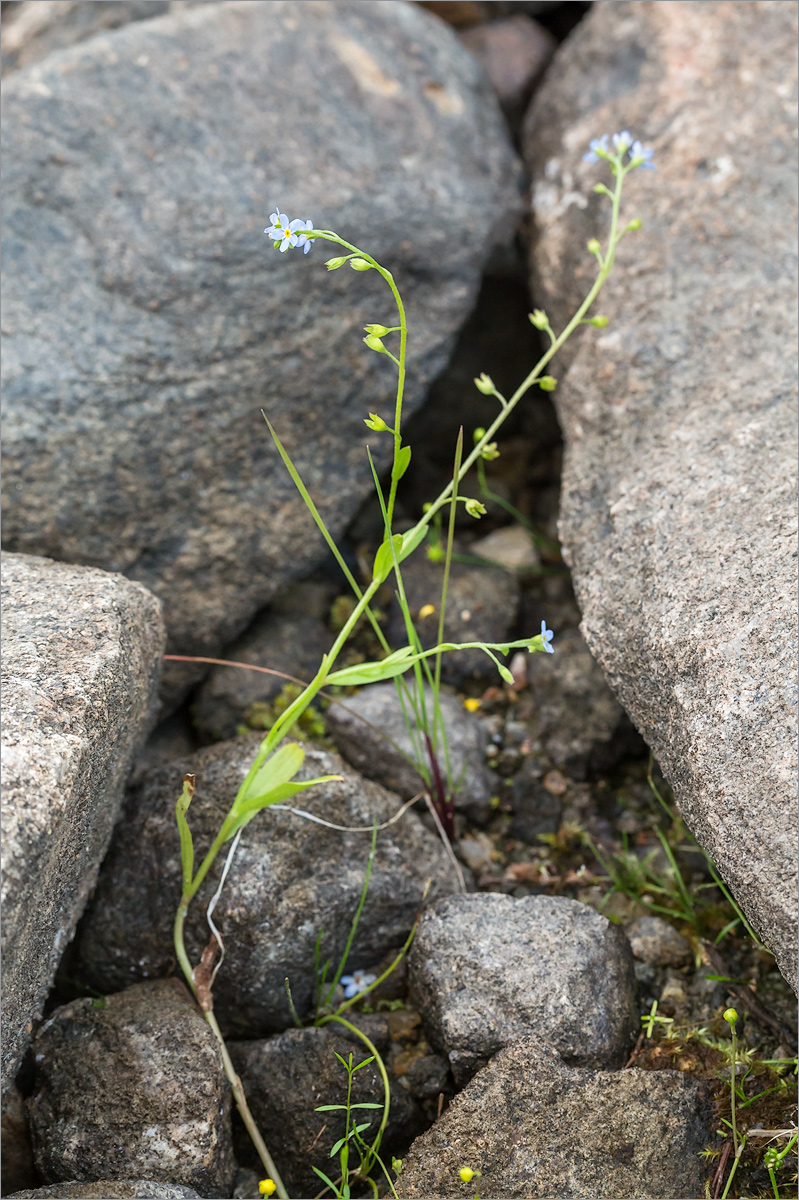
[
  {"x": 598, "y": 148},
  {"x": 285, "y": 232},
  {"x": 355, "y": 983},
  {"x": 546, "y": 637},
  {"x": 302, "y": 240},
  {"x": 622, "y": 141},
  {"x": 641, "y": 156}
]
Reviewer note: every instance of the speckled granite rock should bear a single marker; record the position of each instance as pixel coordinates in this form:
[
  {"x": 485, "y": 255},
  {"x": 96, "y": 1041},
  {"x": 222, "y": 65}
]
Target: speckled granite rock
[
  {"x": 287, "y": 1076},
  {"x": 133, "y": 1086},
  {"x": 81, "y": 658},
  {"x": 148, "y": 311},
  {"x": 678, "y": 514},
  {"x": 487, "y": 970},
  {"x": 290, "y": 878},
  {"x": 366, "y": 747},
  {"x": 536, "y": 1127},
  {"x": 110, "y": 1189}
]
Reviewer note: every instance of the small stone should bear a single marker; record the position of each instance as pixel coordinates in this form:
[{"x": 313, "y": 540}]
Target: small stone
[
  {"x": 428, "y": 1077},
  {"x": 555, "y": 782},
  {"x": 364, "y": 727},
  {"x": 673, "y": 995},
  {"x": 510, "y": 547},
  {"x": 486, "y": 970},
  {"x": 537, "y": 1127},
  {"x": 132, "y": 1085},
  {"x": 653, "y": 940},
  {"x": 477, "y": 851},
  {"x": 287, "y": 1076}
]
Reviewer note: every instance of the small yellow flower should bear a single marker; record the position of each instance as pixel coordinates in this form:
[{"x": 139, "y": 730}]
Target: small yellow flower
[
  {"x": 466, "y": 1174},
  {"x": 426, "y": 610},
  {"x": 471, "y": 705},
  {"x": 267, "y": 1187}
]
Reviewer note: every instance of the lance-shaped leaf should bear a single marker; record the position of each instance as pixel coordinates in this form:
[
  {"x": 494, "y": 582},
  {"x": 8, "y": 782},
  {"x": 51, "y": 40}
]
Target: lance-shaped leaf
[
  {"x": 284, "y": 791},
  {"x": 279, "y": 768},
  {"x": 402, "y": 462},
  {"x": 186, "y": 843},
  {"x": 384, "y": 559},
  {"x": 372, "y": 672}
]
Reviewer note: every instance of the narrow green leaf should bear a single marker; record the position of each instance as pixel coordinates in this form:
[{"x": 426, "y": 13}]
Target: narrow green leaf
[
  {"x": 327, "y": 1180},
  {"x": 402, "y": 462},
  {"x": 410, "y": 540},
  {"x": 283, "y": 792},
  {"x": 384, "y": 559},
  {"x": 391, "y": 666},
  {"x": 335, "y": 1107},
  {"x": 279, "y": 768},
  {"x": 186, "y": 843}
]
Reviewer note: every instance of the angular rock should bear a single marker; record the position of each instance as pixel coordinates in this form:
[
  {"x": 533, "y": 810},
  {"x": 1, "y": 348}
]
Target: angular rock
[
  {"x": 678, "y": 515},
  {"x": 81, "y": 659},
  {"x": 367, "y": 748},
  {"x": 536, "y": 1127},
  {"x": 287, "y": 1076},
  {"x": 654, "y": 941},
  {"x": 110, "y": 1189},
  {"x": 148, "y": 321},
  {"x": 481, "y": 607},
  {"x": 487, "y": 970},
  {"x": 132, "y": 1086},
  {"x": 290, "y": 639},
  {"x": 290, "y": 878},
  {"x": 510, "y": 547},
  {"x": 576, "y": 716}
]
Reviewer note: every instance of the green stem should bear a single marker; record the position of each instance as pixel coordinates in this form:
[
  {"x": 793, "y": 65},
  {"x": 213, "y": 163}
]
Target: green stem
[
  {"x": 731, "y": 1175},
  {"x": 381, "y": 1066}
]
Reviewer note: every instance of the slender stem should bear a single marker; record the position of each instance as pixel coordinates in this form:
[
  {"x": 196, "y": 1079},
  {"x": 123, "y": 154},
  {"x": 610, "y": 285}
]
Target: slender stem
[
  {"x": 733, "y": 1079},
  {"x": 381, "y": 1066}
]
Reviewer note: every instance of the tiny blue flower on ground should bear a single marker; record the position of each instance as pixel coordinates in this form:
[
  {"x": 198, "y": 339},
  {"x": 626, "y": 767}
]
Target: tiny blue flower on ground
[
  {"x": 641, "y": 156},
  {"x": 288, "y": 233},
  {"x": 357, "y": 982},
  {"x": 546, "y": 637},
  {"x": 597, "y": 146}
]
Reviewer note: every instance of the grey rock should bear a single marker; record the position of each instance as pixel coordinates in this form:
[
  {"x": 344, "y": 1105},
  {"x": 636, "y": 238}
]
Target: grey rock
[
  {"x": 654, "y": 941},
  {"x": 378, "y": 749},
  {"x": 577, "y": 718},
  {"x": 32, "y": 30},
  {"x": 132, "y": 1086},
  {"x": 536, "y": 1127},
  {"x": 110, "y": 1189},
  {"x": 427, "y": 1077},
  {"x": 288, "y": 641},
  {"x": 678, "y": 515},
  {"x": 290, "y": 878},
  {"x": 514, "y": 52},
  {"x": 487, "y": 969},
  {"x": 535, "y": 809},
  {"x": 481, "y": 607},
  {"x": 81, "y": 658},
  {"x": 137, "y": 364},
  {"x": 287, "y": 1076}
]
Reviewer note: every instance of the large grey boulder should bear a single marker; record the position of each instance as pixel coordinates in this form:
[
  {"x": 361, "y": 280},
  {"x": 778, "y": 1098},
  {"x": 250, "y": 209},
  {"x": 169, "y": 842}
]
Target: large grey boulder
[
  {"x": 536, "y": 1127},
  {"x": 109, "y": 1189},
  {"x": 291, "y": 877},
  {"x": 148, "y": 320},
  {"x": 678, "y": 513},
  {"x": 487, "y": 970},
  {"x": 132, "y": 1086},
  {"x": 81, "y": 657}
]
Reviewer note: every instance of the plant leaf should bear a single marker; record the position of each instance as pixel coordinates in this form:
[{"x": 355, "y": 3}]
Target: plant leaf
[
  {"x": 402, "y": 462},
  {"x": 186, "y": 842},
  {"x": 384, "y": 559},
  {"x": 279, "y": 768},
  {"x": 372, "y": 672}
]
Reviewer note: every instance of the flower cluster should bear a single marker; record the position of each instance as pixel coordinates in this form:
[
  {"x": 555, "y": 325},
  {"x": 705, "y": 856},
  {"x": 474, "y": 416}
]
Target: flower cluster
[
  {"x": 286, "y": 234},
  {"x": 639, "y": 156}
]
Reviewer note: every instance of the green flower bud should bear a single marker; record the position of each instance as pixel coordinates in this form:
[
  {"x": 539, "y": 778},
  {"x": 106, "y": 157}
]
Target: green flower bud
[
  {"x": 634, "y": 224},
  {"x": 426, "y": 506},
  {"x": 475, "y": 509},
  {"x": 600, "y": 322},
  {"x": 333, "y": 264},
  {"x": 594, "y": 246},
  {"x": 547, "y": 383},
  {"x": 478, "y": 433},
  {"x": 360, "y": 264},
  {"x": 435, "y": 553},
  {"x": 377, "y": 330},
  {"x": 538, "y": 318},
  {"x": 730, "y": 1016},
  {"x": 374, "y": 343},
  {"x": 489, "y": 452},
  {"x": 377, "y": 423},
  {"x": 485, "y": 384},
  {"x": 466, "y": 1174}
]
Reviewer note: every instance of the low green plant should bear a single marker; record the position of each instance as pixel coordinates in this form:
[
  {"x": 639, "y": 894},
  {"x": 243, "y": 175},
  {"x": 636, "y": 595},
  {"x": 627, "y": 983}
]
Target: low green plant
[
  {"x": 368, "y": 1154},
  {"x": 272, "y": 778}
]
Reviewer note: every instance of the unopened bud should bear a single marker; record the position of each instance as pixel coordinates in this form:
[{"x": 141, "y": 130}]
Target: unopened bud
[
  {"x": 594, "y": 246},
  {"x": 547, "y": 383},
  {"x": 538, "y": 318},
  {"x": 377, "y": 423},
  {"x": 489, "y": 452},
  {"x": 478, "y": 433},
  {"x": 374, "y": 343},
  {"x": 435, "y": 553},
  {"x": 377, "y": 330},
  {"x": 466, "y": 1174},
  {"x": 600, "y": 322},
  {"x": 485, "y": 384},
  {"x": 634, "y": 224},
  {"x": 333, "y": 264},
  {"x": 475, "y": 509},
  {"x": 360, "y": 264},
  {"x": 730, "y": 1016}
]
